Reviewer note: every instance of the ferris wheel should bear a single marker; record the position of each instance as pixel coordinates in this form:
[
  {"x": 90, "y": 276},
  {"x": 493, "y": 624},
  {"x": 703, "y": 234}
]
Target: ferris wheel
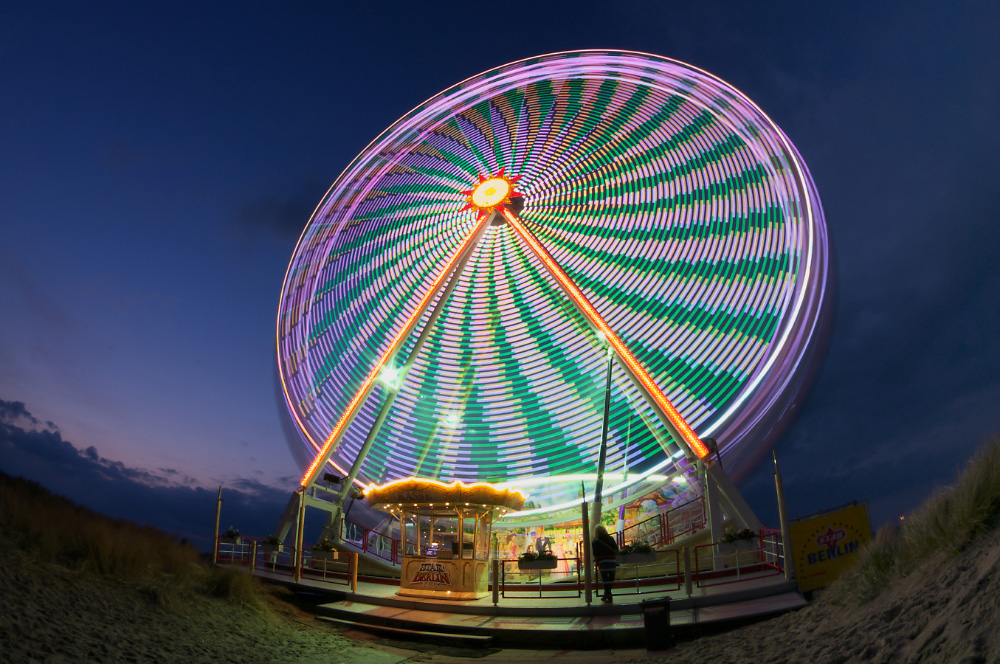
[{"x": 451, "y": 307}]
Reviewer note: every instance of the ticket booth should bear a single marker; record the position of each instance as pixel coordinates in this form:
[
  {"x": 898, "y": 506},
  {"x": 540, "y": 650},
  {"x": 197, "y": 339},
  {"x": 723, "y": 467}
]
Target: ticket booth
[{"x": 445, "y": 532}]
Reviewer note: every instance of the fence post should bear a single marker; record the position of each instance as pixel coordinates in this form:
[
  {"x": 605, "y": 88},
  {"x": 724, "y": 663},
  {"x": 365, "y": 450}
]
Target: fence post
[
  {"x": 687, "y": 570},
  {"x": 215, "y": 533},
  {"x": 495, "y": 573},
  {"x": 783, "y": 518},
  {"x": 587, "y": 555},
  {"x": 355, "y": 559},
  {"x": 299, "y": 536}
]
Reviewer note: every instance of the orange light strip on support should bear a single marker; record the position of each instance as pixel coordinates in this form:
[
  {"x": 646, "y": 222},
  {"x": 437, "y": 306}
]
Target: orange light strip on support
[
  {"x": 686, "y": 432},
  {"x": 366, "y": 387}
]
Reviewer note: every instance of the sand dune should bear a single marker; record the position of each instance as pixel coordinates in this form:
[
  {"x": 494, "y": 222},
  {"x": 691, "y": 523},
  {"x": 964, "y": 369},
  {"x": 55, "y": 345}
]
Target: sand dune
[
  {"x": 939, "y": 602},
  {"x": 947, "y": 611},
  {"x": 51, "y": 614}
]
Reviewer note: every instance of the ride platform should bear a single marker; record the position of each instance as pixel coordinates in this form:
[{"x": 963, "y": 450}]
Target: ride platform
[{"x": 549, "y": 623}]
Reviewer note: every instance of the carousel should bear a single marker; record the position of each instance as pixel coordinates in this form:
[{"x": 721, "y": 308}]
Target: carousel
[{"x": 445, "y": 532}]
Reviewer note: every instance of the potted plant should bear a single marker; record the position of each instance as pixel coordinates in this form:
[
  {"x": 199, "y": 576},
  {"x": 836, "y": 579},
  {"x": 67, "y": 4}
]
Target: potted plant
[
  {"x": 323, "y": 551},
  {"x": 231, "y": 536},
  {"x": 530, "y": 560},
  {"x": 271, "y": 544},
  {"x": 637, "y": 551},
  {"x": 740, "y": 539}
]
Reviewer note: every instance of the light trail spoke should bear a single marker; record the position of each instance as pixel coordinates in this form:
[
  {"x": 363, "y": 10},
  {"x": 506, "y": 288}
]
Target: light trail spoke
[
  {"x": 355, "y": 404},
  {"x": 647, "y": 386}
]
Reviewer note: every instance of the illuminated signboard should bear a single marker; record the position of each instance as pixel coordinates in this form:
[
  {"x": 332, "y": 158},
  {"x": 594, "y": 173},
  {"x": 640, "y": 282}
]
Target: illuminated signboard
[
  {"x": 432, "y": 574},
  {"x": 825, "y": 545}
]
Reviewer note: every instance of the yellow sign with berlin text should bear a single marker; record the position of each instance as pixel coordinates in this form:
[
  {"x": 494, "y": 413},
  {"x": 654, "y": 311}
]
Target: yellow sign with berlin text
[{"x": 826, "y": 544}]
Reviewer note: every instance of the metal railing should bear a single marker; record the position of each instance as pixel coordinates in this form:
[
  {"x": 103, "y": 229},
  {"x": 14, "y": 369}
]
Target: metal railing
[
  {"x": 276, "y": 559},
  {"x": 772, "y": 548},
  {"x": 336, "y": 567},
  {"x": 280, "y": 559},
  {"x": 371, "y": 542},
  {"x": 558, "y": 583},
  {"x": 719, "y": 563},
  {"x": 662, "y": 573},
  {"x": 684, "y": 520},
  {"x": 713, "y": 564},
  {"x": 235, "y": 552},
  {"x": 662, "y": 529}
]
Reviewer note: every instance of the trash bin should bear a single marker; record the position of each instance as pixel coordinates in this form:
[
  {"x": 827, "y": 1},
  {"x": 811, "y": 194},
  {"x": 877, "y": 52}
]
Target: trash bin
[{"x": 656, "y": 622}]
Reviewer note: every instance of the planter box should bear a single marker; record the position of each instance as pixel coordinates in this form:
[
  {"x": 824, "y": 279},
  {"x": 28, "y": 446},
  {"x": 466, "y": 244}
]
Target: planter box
[
  {"x": 637, "y": 557},
  {"x": 324, "y": 556},
  {"x": 533, "y": 565},
  {"x": 272, "y": 548},
  {"x": 232, "y": 541}
]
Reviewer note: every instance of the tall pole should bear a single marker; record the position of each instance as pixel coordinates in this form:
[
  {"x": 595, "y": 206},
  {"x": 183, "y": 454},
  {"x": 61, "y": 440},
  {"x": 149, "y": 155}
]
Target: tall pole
[
  {"x": 215, "y": 533},
  {"x": 299, "y": 535},
  {"x": 598, "y": 507},
  {"x": 786, "y": 538},
  {"x": 588, "y": 555}
]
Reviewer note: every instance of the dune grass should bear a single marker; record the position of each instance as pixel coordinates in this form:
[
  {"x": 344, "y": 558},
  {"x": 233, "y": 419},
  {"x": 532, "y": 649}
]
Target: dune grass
[
  {"x": 944, "y": 525},
  {"x": 54, "y": 530}
]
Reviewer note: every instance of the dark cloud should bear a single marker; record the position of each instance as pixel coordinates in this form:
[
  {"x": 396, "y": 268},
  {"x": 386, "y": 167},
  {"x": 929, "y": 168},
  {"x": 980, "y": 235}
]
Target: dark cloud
[
  {"x": 14, "y": 411},
  {"x": 282, "y": 214},
  {"x": 116, "y": 489}
]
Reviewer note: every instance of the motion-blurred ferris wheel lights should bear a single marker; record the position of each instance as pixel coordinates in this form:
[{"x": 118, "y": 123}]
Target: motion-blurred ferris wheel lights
[{"x": 391, "y": 377}]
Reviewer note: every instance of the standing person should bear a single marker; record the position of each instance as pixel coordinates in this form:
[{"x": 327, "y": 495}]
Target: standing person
[
  {"x": 542, "y": 543},
  {"x": 605, "y": 549}
]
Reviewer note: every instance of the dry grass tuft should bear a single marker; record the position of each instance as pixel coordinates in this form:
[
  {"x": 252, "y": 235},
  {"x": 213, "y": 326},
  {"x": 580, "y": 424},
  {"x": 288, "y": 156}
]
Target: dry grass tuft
[
  {"x": 235, "y": 586},
  {"x": 53, "y": 529},
  {"x": 944, "y": 525}
]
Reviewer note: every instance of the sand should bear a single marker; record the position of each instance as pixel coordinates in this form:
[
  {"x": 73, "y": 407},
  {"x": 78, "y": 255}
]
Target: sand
[
  {"x": 948, "y": 612},
  {"x": 51, "y": 614}
]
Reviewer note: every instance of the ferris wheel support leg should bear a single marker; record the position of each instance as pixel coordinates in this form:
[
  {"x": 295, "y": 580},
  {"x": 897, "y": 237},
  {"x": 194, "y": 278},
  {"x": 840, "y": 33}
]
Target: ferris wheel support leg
[
  {"x": 456, "y": 275},
  {"x": 288, "y": 517},
  {"x": 721, "y": 489},
  {"x": 713, "y": 514}
]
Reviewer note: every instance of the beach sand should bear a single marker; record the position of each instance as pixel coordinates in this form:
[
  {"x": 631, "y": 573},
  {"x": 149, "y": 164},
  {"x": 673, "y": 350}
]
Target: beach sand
[
  {"x": 51, "y": 614},
  {"x": 948, "y": 611}
]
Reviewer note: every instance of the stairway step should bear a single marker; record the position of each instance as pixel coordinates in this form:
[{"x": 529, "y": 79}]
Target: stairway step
[{"x": 439, "y": 638}]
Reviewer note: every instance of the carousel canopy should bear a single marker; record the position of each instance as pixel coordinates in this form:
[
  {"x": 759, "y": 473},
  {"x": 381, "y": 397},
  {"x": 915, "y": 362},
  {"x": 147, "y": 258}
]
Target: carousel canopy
[{"x": 423, "y": 494}]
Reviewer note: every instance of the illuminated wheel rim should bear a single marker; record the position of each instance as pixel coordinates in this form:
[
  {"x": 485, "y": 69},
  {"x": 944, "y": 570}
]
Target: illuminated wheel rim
[{"x": 680, "y": 209}]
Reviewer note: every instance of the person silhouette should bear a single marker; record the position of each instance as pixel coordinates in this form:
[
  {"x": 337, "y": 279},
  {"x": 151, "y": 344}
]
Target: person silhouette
[{"x": 605, "y": 549}]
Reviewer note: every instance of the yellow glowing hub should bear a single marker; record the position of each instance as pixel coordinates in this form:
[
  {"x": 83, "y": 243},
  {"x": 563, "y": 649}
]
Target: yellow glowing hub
[{"x": 490, "y": 193}]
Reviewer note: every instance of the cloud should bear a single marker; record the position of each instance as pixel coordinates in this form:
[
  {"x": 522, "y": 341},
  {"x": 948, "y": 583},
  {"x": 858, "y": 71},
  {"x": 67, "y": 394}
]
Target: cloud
[
  {"x": 164, "y": 498},
  {"x": 281, "y": 214}
]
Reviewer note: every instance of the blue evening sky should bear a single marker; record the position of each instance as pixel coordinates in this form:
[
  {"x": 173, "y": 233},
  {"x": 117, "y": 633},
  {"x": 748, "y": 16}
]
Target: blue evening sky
[{"x": 158, "y": 161}]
